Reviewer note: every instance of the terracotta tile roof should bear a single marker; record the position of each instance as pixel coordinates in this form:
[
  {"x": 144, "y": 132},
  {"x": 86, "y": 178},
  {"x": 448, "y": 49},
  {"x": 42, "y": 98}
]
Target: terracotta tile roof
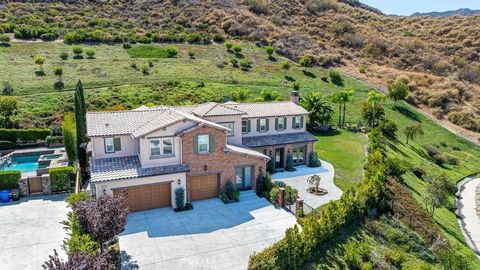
[
  {"x": 269, "y": 109},
  {"x": 117, "y": 168},
  {"x": 278, "y": 139},
  {"x": 138, "y": 122}
]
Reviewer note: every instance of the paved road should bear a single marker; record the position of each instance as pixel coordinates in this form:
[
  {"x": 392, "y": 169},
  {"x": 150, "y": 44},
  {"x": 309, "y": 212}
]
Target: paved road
[
  {"x": 469, "y": 210},
  {"x": 29, "y": 231},
  {"x": 298, "y": 180},
  {"x": 212, "y": 236}
]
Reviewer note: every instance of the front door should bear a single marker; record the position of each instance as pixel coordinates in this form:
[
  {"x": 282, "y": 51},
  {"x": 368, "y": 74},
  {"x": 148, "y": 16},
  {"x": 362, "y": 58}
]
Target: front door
[
  {"x": 279, "y": 157},
  {"x": 298, "y": 155},
  {"x": 244, "y": 177}
]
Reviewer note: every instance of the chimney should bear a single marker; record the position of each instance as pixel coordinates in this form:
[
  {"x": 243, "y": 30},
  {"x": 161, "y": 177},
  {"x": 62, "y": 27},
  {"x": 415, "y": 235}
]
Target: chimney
[{"x": 294, "y": 97}]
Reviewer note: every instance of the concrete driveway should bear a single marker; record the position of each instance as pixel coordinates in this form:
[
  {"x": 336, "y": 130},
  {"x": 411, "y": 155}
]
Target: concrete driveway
[
  {"x": 298, "y": 180},
  {"x": 212, "y": 236},
  {"x": 29, "y": 231}
]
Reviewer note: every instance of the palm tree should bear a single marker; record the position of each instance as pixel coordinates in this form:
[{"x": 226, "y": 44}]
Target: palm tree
[
  {"x": 412, "y": 131},
  {"x": 345, "y": 97},
  {"x": 375, "y": 99},
  {"x": 317, "y": 107},
  {"x": 335, "y": 98}
]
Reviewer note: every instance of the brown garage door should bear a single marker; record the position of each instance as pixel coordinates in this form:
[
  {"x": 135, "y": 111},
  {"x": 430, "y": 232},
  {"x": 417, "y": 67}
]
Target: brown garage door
[
  {"x": 203, "y": 187},
  {"x": 147, "y": 196}
]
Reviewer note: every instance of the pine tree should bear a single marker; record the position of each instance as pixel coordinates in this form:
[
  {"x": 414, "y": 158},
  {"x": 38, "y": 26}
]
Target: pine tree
[{"x": 81, "y": 127}]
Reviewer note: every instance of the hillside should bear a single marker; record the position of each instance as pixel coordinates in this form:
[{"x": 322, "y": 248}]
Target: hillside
[
  {"x": 440, "y": 56},
  {"x": 462, "y": 12}
]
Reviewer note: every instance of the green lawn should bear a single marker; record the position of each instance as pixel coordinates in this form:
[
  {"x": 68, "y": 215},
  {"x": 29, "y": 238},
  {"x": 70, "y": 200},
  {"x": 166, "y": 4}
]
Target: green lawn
[
  {"x": 110, "y": 80},
  {"x": 346, "y": 150}
]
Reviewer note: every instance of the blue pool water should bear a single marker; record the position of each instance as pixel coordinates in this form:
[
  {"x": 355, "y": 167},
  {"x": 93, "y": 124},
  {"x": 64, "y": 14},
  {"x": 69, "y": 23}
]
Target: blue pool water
[{"x": 24, "y": 164}]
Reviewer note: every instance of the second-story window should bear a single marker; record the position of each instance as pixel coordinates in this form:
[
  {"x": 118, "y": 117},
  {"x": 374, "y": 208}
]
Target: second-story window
[
  {"x": 112, "y": 145},
  {"x": 245, "y": 126},
  {"x": 203, "y": 144},
  {"x": 161, "y": 147},
  {"x": 262, "y": 125},
  {"x": 230, "y": 126},
  {"x": 297, "y": 122},
  {"x": 280, "y": 123}
]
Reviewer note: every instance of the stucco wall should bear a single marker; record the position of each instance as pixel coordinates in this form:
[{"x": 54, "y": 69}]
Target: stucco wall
[
  {"x": 170, "y": 131},
  {"x": 109, "y": 185},
  {"x": 237, "y": 132},
  {"x": 271, "y": 130},
  {"x": 128, "y": 147}
]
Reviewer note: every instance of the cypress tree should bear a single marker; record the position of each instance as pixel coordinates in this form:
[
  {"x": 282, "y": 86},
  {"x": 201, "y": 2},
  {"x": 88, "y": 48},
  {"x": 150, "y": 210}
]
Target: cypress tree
[{"x": 81, "y": 128}]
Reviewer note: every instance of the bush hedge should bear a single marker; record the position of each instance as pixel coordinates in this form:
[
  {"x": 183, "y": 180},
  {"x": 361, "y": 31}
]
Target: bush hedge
[
  {"x": 24, "y": 135},
  {"x": 9, "y": 179},
  {"x": 62, "y": 179},
  {"x": 297, "y": 247}
]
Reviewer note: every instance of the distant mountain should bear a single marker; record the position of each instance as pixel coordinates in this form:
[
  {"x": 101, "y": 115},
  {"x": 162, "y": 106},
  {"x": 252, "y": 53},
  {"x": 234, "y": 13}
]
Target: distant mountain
[{"x": 462, "y": 11}]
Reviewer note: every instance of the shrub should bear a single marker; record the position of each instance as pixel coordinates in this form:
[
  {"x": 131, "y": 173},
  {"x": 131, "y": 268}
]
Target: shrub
[
  {"x": 245, "y": 64},
  {"x": 90, "y": 52},
  {"x": 51, "y": 140},
  {"x": 73, "y": 198},
  {"x": 313, "y": 160},
  {"x": 260, "y": 185},
  {"x": 452, "y": 160},
  {"x": 396, "y": 257},
  {"x": 64, "y": 55},
  {"x": 274, "y": 195},
  {"x": 7, "y": 89},
  {"x": 269, "y": 50},
  {"x": 362, "y": 69},
  {"x": 267, "y": 183},
  {"x": 180, "y": 197},
  {"x": 305, "y": 61},
  {"x": 236, "y": 48},
  {"x": 389, "y": 129},
  {"x": 435, "y": 154},
  {"x": 335, "y": 77},
  {"x": 229, "y": 194},
  {"x": 194, "y": 38},
  {"x": 418, "y": 172},
  {"x": 271, "y": 166},
  {"x": 396, "y": 167},
  {"x": 291, "y": 195},
  {"x": 126, "y": 45},
  {"x": 24, "y": 135},
  {"x": 316, "y": 6},
  {"x": 191, "y": 54},
  {"x": 228, "y": 45},
  {"x": 48, "y": 37},
  {"x": 218, "y": 38},
  {"x": 289, "y": 167},
  {"x": 4, "y": 39},
  {"x": 234, "y": 62},
  {"x": 80, "y": 243},
  {"x": 62, "y": 179},
  {"x": 9, "y": 179},
  {"x": 145, "y": 70},
  {"x": 77, "y": 51}
]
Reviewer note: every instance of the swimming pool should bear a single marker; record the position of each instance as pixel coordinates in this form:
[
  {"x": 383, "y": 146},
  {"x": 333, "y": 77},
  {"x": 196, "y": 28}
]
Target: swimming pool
[{"x": 25, "y": 164}]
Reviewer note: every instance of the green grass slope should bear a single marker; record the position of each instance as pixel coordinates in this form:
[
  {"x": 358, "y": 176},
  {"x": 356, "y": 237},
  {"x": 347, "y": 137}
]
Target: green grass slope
[{"x": 110, "y": 81}]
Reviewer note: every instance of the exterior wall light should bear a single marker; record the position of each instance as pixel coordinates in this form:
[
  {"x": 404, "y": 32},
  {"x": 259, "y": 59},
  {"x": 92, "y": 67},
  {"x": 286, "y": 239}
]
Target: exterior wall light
[
  {"x": 179, "y": 182},
  {"x": 205, "y": 167}
]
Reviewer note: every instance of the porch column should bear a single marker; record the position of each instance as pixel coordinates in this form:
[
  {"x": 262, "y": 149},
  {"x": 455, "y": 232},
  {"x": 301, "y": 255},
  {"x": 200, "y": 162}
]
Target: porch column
[{"x": 299, "y": 206}]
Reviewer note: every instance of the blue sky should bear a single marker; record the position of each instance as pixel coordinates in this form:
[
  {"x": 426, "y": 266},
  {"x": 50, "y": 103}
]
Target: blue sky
[{"x": 407, "y": 7}]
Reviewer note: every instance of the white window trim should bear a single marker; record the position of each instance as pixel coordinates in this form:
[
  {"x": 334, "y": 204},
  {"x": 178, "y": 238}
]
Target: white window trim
[
  {"x": 278, "y": 123},
  {"x": 231, "y": 131},
  {"x": 208, "y": 144},
  {"x": 161, "y": 147},
  {"x": 106, "y": 140},
  {"x": 295, "y": 122},
  {"x": 245, "y": 126},
  {"x": 265, "y": 125}
]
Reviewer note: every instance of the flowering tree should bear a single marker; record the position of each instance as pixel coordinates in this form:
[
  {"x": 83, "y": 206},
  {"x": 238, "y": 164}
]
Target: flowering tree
[{"x": 104, "y": 217}]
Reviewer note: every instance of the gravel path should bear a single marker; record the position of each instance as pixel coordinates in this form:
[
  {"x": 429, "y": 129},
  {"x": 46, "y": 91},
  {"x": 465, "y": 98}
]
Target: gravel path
[{"x": 298, "y": 180}]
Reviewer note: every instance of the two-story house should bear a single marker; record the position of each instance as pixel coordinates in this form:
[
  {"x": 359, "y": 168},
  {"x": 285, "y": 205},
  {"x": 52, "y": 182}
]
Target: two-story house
[{"x": 150, "y": 152}]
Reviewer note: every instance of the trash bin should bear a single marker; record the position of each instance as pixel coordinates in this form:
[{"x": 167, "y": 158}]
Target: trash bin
[{"x": 5, "y": 196}]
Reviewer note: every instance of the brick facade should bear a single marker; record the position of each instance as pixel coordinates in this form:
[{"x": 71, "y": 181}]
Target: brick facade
[{"x": 219, "y": 161}]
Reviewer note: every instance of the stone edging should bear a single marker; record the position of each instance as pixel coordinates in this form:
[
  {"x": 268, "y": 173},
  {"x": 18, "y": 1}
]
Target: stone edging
[{"x": 459, "y": 204}]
